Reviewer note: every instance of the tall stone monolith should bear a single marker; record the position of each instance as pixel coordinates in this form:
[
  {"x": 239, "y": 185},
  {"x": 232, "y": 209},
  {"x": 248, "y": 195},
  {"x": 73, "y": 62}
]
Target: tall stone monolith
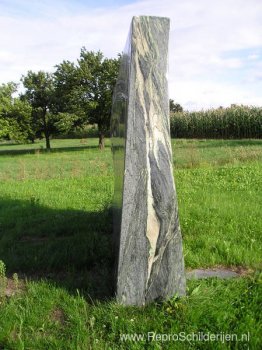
[{"x": 150, "y": 261}]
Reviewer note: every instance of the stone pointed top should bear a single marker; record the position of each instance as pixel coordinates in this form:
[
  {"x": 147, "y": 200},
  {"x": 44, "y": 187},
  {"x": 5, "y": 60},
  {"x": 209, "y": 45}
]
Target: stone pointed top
[{"x": 151, "y": 17}]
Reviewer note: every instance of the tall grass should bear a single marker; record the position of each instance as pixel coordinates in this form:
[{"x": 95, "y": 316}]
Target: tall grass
[{"x": 233, "y": 122}]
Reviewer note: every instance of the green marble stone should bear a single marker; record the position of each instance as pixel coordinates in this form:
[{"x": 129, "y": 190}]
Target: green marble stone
[{"x": 148, "y": 240}]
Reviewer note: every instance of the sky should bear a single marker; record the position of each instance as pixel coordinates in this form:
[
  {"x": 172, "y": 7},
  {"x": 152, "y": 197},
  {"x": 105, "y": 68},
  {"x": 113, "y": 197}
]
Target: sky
[{"x": 215, "y": 47}]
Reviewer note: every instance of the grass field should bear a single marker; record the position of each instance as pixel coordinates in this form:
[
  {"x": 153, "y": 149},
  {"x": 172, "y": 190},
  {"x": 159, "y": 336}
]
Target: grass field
[{"x": 55, "y": 232}]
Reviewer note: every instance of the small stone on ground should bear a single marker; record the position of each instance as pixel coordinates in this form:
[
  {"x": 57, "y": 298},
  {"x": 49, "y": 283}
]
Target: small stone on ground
[{"x": 216, "y": 272}]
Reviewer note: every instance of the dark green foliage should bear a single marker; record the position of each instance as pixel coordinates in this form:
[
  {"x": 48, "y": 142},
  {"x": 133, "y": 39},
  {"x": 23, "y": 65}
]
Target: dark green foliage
[
  {"x": 66, "y": 81},
  {"x": 99, "y": 76},
  {"x": 15, "y": 115},
  {"x": 233, "y": 122},
  {"x": 40, "y": 94},
  {"x": 68, "y": 99},
  {"x": 84, "y": 92},
  {"x": 175, "y": 107}
]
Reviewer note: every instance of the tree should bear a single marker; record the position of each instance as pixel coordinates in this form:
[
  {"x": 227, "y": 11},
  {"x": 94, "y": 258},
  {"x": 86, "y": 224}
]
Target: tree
[
  {"x": 15, "y": 115},
  {"x": 97, "y": 76},
  {"x": 40, "y": 94},
  {"x": 68, "y": 104},
  {"x": 6, "y": 92},
  {"x": 20, "y": 117},
  {"x": 175, "y": 107},
  {"x": 5, "y": 128},
  {"x": 84, "y": 92}
]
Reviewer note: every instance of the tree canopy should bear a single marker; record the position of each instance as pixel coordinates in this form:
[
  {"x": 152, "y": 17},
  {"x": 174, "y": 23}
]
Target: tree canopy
[
  {"x": 175, "y": 107},
  {"x": 15, "y": 115},
  {"x": 39, "y": 93},
  {"x": 85, "y": 90},
  {"x": 74, "y": 96}
]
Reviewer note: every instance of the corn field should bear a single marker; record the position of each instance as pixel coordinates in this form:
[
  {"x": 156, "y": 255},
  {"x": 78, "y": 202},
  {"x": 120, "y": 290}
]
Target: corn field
[{"x": 233, "y": 122}]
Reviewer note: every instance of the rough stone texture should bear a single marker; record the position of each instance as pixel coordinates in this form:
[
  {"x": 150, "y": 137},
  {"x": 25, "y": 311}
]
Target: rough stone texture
[{"x": 148, "y": 238}]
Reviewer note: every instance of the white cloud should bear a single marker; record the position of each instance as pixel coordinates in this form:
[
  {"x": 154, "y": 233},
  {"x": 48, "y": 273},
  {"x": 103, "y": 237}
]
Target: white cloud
[
  {"x": 252, "y": 57},
  {"x": 196, "y": 95},
  {"x": 201, "y": 33}
]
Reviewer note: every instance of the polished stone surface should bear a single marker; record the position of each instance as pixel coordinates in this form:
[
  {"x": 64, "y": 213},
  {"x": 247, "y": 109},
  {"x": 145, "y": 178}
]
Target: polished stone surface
[{"x": 147, "y": 231}]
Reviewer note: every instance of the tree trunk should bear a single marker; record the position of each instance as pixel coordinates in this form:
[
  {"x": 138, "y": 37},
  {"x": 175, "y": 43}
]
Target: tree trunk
[
  {"x": 46, "y": 132},
  {"x": 101, "y": 140},
  {"x": 47, "y": 142}
]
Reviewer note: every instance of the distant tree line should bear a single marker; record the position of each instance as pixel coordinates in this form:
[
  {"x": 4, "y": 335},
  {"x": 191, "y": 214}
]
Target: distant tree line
[
  {"x": 79, "y": 94},
  {"x": 232, "y": 122},
  {"x": 74, "y": 96}
]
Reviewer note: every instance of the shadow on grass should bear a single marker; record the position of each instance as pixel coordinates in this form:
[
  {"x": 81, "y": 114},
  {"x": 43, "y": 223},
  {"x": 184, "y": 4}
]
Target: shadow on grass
[
  {"x": 15, "y": 152},
  {"x": 71, "y": 248}
]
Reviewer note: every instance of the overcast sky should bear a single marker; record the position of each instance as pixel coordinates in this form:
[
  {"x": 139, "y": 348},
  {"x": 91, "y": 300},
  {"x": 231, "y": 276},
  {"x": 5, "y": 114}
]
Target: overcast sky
[{"x": 215, "y": 55}]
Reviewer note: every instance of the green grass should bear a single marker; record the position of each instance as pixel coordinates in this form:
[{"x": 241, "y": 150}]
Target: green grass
[
  {"x": 56, "y": 228},
  {"x": 48, "y": 317},
  {"x": 209, "y": 153},
  {"x": 220, "y": 215}
]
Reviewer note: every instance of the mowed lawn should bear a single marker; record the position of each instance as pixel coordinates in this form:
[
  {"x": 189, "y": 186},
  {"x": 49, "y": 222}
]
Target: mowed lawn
[{"x": 56, "y": 230}]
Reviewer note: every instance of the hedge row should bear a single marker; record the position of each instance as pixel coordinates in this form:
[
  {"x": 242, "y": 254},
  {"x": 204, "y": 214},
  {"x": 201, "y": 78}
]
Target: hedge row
[{"x": 232, "y": 122}]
